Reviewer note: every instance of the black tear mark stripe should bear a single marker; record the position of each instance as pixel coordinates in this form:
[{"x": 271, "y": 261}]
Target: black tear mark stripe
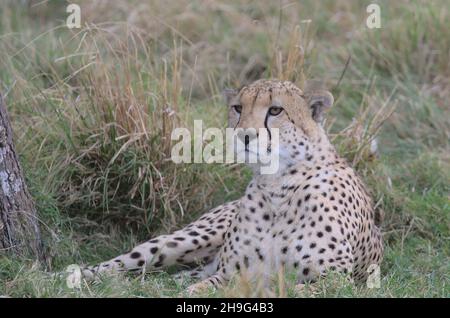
[
  {"x": 244, "y": 88},
  {"x": 267, "y": 127},
  {"x": 267, "y": 118},
  {"x": 239, "y": 115},
  {"x": 239, "y": 120}
]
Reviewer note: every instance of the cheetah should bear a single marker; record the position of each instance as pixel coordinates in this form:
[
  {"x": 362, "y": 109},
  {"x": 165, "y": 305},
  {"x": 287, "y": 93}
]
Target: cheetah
[{"x": 312, "y": 216}]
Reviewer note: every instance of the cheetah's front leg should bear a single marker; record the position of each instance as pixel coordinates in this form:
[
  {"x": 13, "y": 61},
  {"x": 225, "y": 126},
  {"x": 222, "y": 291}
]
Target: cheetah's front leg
[{"x": 197, "y": 242}]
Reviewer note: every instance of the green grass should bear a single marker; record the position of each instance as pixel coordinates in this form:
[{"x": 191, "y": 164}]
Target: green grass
[{"x": 90, "y": 110}]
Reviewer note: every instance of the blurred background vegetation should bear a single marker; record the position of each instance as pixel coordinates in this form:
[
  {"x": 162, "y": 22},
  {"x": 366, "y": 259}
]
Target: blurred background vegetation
[{"x": 93, "y": 108}]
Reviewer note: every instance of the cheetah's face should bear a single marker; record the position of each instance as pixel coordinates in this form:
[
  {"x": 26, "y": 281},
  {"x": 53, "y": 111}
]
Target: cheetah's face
[{"x": 276, "y": 107}]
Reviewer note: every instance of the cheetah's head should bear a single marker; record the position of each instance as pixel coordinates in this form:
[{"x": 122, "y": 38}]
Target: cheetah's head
[{"x": 278, "y": 105}]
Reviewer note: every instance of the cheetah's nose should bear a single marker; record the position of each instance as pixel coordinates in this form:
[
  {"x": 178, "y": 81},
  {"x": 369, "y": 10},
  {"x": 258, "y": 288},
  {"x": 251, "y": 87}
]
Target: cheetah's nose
[{"x": 247, "y": 136}]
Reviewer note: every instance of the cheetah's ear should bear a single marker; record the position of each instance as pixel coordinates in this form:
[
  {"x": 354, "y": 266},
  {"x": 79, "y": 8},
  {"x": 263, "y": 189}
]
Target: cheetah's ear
[
  {"x": 229, "y": 94},
  {"x": 319, "y": 101}
]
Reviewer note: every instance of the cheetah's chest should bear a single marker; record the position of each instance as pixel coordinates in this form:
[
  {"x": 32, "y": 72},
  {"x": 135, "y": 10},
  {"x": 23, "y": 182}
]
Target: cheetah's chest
[{"x": 264, "y": 238}]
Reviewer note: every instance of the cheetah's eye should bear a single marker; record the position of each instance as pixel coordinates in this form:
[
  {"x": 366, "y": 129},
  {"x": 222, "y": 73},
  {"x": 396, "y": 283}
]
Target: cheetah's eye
[
  {"x": 275, "y": 110},
  {"x": 238, "y": 108}
]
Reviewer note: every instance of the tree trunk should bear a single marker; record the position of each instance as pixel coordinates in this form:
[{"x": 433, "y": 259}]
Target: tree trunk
[{"x": 19, "y": 224}]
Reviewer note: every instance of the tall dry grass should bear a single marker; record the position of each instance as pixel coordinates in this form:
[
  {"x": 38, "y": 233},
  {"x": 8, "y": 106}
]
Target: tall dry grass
[{"x": 94, "y": 107}]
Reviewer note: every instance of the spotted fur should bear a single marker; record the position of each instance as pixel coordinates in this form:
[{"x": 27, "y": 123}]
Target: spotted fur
[{"x": 312, "y": 216}]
